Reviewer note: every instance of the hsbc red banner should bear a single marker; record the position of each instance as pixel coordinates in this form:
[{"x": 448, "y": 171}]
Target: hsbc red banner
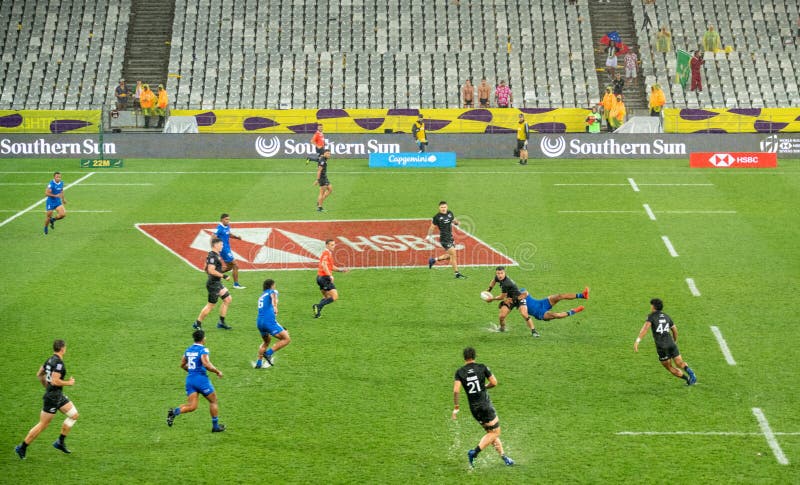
[
  {"x": 733, "y": 160},
  {"x": 298, "y": 244}
]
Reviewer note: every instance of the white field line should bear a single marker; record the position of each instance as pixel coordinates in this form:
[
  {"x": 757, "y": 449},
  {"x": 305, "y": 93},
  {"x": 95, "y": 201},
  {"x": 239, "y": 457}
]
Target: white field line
[
  {"x": 669, "y": 246},
  {"x": 770, "y": 436},
  {"x": 639, "y": 185},
  {"x": 84, "y": 185},
  {"x": 639, "y": 212},
  {"x": 698, "y": 433},
  {"x": 676, "y": 185},
  {"x": 71, "y": 211},
  {"x": 692, "y": 287},
  {"x": 590, "y": 185},
  {"x": 649, "y": 212},
  {"x": 33, "y": 206},
  {"x": 599, "y": 212},
  {"x": 633, "y": 185},
  {"x": 723, "y": 345}
]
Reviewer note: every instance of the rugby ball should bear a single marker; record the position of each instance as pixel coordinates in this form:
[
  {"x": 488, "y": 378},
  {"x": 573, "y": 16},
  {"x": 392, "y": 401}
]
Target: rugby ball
[{"x": 486, "y": 296}]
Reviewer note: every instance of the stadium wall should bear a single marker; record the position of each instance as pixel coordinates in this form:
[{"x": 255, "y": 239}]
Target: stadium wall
[
  {"x": 46, "y": 121},
  {"x": 744, "y": 120},
  {"x": 582, "y": 146}
]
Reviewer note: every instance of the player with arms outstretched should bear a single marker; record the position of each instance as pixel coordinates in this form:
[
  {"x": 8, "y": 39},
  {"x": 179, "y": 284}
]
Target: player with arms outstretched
[
  {"x": 473, "y": 378},
  {"x": 540, "y": 309},
  {"x": 444, "y": 220}
]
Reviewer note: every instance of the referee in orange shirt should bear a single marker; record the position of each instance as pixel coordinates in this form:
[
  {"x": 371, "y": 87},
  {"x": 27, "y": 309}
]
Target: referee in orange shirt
[
  {"x": 318, "y": 140},
  {"x": 325, "y": 278}
]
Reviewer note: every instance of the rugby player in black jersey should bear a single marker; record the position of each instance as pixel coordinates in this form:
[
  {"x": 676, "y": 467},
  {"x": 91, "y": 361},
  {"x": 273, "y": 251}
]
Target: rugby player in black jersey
[{"x": 445, "y": 220}]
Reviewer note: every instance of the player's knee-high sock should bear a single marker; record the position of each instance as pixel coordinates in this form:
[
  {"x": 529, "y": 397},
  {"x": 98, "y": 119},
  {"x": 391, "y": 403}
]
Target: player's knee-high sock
[
  {"x": 215, "y": 421},
  {"x": 269, "y": 352},
  {"x": 324, "y": 302}
]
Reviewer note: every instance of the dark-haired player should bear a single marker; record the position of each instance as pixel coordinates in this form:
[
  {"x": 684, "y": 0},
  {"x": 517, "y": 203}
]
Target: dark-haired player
[
  {"x": 268, "y": 325},
  {"x": 445, "y": 220},
  {"x": 510, "y": 298},
  {"x": 55, "y": 202},
  {"x": 223, "y": 232},
  {"x": 51, "y": 375},
  {"x": 195, "y": 362},
  {"x": 325, "y": 187},
  {"x": 216, "y": 290},
  {"x": 540, "y": 308},
  {"x": 665, "y": 335},
  {"x": 325, "y": 278},
  {"x": 472, "y": 377}
]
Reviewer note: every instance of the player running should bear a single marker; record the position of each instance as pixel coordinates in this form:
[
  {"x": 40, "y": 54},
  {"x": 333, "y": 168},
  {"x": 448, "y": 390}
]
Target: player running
[
  {"x": 216, "y": 290},
  {"x": 223, "y": 232},
  {"x": 325, "y": 187},
  {"x": 195, "y": 362},
  {"x": 665, "y": 335},
  {"x": 445, "y": 220},
  {"x": 510, "y": 298},
  {"x": 325, "y": 278},
  {"x": 55, "y": 202},
  {"x": 472, "y": 377},
  {"x": 318, "y": 140},
  {"x": 268, "y": 324}
]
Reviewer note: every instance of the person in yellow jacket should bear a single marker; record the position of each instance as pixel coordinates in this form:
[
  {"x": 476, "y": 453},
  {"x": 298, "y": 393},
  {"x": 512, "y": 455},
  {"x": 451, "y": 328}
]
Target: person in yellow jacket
[
  {"x": 418, "y": 130},
  {"x": 608, "y": 103},
  {"x": 147, "y": 102},
  {"x": 617, "y": 115},
  {"x": 657, "y": 100},
  {"x": 161, "y": 105}
]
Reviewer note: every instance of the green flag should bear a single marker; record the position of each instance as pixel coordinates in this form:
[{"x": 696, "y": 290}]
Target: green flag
[{"x": 682, "y": 69}]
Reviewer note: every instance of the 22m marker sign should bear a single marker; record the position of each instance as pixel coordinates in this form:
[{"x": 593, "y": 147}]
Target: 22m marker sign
[{"x": 292, "y": 245}]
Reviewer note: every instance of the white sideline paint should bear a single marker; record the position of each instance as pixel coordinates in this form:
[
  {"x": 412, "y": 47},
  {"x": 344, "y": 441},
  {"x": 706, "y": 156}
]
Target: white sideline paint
[
  {"x": 669, "y": 246},
  {"x": 770, "y": 436},
  {"x": 640, "y": 185},
  {"x": 633, "y": 184},
  {"x": 723, "y": 345},
  {"x": 33, "y": 206},
  {"x": 692, "y": 287},
  {"x": 649, "y": 212}
]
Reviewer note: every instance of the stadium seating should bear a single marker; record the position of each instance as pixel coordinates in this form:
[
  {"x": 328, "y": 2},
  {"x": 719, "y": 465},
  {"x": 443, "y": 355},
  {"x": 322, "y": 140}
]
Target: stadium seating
[
  {"x": 370, "y": 54},
  {"x": 64, "y": 54},
  {"x": 759, "y": 72}
]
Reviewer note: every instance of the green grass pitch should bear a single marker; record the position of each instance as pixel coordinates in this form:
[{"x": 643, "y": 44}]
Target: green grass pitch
[{"x": 364, "y": 394}]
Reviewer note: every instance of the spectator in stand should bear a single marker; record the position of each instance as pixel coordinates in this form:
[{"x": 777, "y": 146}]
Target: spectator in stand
[
  {"x": 468, "y": 94},
  {"x": 137, "y": 94},
  {"x": 484, "y": 91},
  {"x": 657, "y": 100},
  {"x": 593, "y": 121},
  {"x": 148, "y": 102},
  {"x": 663, "y": 40},
  {"x": 502, "y": 95},
  {"x": 122, "y": 93},
  {"x": 611, "y": 58},
  {"x": 631, "y": 61},
  {"x": 617, "y": 116},
  {"x": 161, "y": 105},
  {"x": 711, "y": 40},
  {"x": 618, "y": 84},
  {"x": 695, "y": 65},
  {"x": 608, "y": 103}
]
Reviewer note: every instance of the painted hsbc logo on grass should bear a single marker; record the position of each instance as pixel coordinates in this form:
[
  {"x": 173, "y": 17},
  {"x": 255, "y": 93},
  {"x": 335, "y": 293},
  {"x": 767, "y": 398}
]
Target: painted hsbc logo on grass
[{"x": 296, "y": 245}]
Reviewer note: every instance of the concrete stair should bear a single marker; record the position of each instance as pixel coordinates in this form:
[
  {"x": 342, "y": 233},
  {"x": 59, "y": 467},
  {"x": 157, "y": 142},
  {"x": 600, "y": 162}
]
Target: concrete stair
[{"x": 148, "y": 45}]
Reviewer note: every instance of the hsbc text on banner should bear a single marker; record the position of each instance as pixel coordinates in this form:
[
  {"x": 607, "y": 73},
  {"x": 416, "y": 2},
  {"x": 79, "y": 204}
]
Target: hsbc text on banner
[
  {"x": 733, "y": 160},
  {"x": 413, "y": 160}
]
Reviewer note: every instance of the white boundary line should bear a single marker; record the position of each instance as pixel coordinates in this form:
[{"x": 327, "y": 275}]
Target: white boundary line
[
  {"x": 770, "y": 436},
  {"x": 33, "y": 206},
  {"x": 639, "y": 212},
  {"x": 692, "y": 287},
  {"x": 649, "y": 212},
  {"x": 698, "y": 433},
  {"x": 633, "y": 185},
  {"x": 19, "y": 184},
  {"x": 669, "y": 246},
  {"x": 638, "y": 185},
  {"x": 590, "y": 185},
  {"x": 723, "y": 345}
]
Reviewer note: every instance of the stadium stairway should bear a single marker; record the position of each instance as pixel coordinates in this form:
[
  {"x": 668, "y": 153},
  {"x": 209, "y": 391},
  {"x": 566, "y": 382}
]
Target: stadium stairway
[
  {"x": 617, "y": 16},
  {"x": 148, "y": 44}
]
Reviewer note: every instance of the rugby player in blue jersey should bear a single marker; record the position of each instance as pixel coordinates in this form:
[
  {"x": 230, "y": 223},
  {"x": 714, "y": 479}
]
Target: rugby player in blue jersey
[
  {"x": 55, "y": 202},
  {"x": 196, "y": 363},
  {"x": 224, "y": 234},
  {"x": 268, "y": 324},
  {"x": 540, "y": 309}
]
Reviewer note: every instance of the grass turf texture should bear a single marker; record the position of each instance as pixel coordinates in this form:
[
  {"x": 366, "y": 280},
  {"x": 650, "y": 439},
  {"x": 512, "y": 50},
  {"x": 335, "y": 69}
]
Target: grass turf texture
[{"x": 364, "y": 394}]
